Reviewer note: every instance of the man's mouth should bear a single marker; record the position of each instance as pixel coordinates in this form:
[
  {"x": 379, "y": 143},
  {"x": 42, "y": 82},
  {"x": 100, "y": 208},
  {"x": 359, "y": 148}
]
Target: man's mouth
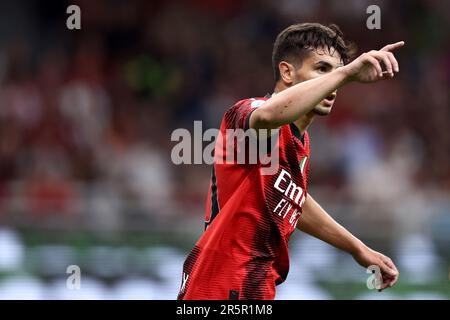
[{"x": 329, "y": 100}]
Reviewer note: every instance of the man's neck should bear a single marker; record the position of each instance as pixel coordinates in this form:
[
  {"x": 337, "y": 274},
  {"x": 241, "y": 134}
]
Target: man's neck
[{"x": 304, "y": 121}]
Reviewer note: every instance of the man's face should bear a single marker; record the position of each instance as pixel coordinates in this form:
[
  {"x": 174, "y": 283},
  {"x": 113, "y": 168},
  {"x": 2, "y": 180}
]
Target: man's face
[{"x": 316, "y": 64}]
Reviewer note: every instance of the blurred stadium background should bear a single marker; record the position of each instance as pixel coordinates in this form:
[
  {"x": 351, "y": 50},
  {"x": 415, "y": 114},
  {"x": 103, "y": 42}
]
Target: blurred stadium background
[{"x": 85, "y": 122}]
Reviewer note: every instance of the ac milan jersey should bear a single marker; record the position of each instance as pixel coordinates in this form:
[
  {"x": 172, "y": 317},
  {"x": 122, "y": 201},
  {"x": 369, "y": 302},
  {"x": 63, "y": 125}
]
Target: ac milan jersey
[{"x": 250, "y": 216}]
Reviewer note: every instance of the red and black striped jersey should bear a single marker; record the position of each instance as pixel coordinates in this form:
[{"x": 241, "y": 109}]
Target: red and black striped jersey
[{"x": 250, "y": 216}]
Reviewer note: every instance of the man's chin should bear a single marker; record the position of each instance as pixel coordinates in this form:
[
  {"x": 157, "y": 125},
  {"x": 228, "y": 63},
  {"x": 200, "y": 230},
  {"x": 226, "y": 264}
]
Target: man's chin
[{"x": 321, "y": 110}]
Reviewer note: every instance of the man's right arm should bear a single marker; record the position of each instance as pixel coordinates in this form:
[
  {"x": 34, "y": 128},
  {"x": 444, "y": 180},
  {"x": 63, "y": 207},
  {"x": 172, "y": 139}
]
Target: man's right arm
[{"x": 288, "y": 105}]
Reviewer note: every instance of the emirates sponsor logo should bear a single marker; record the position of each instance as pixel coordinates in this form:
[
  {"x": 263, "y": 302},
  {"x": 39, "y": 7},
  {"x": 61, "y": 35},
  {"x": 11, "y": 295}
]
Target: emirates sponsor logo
[{"x": 285, "y": 208}]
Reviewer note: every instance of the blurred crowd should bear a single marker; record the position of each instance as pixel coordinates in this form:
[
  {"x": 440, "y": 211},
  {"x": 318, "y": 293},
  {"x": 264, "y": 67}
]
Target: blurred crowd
[{"x": 86, "y": 115}]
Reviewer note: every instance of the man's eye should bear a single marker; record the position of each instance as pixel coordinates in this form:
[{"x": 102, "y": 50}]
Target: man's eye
[{"x": 322, "y": 69}]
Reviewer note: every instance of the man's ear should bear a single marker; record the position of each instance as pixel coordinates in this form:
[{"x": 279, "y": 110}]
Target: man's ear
[{"x": 286, "y": 72}]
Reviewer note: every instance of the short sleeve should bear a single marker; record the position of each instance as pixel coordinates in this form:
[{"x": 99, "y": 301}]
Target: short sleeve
[{"x": 238, "y": 116}]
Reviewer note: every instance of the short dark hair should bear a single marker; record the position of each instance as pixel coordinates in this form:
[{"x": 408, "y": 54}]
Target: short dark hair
[{"x": 293, "y": 42}]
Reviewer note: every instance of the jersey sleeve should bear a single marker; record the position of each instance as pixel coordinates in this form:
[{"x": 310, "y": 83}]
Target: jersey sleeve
[{"x": 238, "y": 116}]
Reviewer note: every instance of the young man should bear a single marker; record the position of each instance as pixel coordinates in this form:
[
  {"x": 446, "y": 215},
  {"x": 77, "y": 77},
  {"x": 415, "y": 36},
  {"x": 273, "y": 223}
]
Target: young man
[{"x": 243, "y": 253}]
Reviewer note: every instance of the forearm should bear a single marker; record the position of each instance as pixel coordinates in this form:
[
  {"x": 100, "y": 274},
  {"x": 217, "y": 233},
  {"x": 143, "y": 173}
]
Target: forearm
[
  {"x": 316, "y": 222},
  {"x": 288, "y": 105}
]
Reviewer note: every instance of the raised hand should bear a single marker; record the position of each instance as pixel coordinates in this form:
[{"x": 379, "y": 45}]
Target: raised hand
[{"x": 368, "y": 66}]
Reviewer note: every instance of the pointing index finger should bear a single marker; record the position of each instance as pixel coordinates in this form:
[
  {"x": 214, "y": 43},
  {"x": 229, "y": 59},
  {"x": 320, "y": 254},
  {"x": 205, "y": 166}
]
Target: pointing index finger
[{"x": 393, "y": 46}]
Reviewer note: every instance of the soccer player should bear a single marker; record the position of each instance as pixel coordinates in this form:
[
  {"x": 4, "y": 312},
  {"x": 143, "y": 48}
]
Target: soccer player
[{"x": 250, "y": 216}]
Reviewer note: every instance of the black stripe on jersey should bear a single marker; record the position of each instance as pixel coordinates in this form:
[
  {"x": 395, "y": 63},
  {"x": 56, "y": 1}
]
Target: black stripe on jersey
[
  {"x": 214, "y": 200},
  {"x": 296, "y": 133},
  {"x": 247, "y": 121}
]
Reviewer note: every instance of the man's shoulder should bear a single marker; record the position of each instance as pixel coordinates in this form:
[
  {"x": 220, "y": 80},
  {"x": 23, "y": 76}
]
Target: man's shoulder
[
  {"x": 251, "y": 103},
  {"x": 238, "y": 115}
]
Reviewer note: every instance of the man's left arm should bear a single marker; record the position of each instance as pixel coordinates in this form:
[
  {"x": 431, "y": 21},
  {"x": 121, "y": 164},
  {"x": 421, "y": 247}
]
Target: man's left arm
[{"x": 316, "y": 222}]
